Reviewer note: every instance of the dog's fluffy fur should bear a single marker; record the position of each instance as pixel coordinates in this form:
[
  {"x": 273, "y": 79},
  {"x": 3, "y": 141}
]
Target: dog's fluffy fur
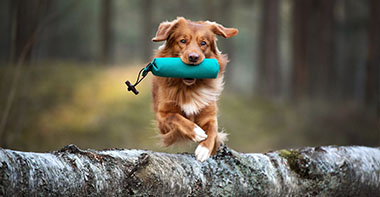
[{"x": 186, "y": 108}]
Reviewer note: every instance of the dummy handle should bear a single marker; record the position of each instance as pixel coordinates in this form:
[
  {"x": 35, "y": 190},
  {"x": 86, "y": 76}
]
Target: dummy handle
[{"x": 131, "y": 87}]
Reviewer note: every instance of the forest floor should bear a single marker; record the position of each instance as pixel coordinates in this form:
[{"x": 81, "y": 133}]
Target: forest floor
[{"x": 60, "y": 104}]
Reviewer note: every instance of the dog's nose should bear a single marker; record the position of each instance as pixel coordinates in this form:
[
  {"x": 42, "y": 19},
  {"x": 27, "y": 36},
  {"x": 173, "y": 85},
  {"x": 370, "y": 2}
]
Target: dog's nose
[{"x": 193, "y": 57}]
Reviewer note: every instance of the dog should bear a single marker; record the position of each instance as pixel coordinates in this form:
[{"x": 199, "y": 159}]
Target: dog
[{"x": 186, "y": 108}]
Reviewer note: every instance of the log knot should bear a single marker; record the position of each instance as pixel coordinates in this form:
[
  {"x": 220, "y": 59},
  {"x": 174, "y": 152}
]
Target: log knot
[
  {"x": 71, "y": 148},
  {"x": 299, "y": 163},
  {"x": 141, "y": 162}
]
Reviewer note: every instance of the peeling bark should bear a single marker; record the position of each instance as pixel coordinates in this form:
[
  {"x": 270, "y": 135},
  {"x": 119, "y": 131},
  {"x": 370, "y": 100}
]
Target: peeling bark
[{"x": 322, "y": 171}]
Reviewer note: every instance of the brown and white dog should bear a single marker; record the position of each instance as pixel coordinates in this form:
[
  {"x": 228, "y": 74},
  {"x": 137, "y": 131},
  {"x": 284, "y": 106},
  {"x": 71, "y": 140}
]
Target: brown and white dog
[{"x": 186, "y": 108}]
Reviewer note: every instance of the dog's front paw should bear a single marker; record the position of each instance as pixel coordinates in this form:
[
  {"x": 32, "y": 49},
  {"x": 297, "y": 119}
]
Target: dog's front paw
[
  {"x": 202, "y": 153},
  {"x": 200, "y": 135}
]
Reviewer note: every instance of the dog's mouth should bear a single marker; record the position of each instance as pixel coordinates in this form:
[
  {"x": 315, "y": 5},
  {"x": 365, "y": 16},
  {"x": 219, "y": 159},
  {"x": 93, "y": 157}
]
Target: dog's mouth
[{"x": 188, "y": 81}]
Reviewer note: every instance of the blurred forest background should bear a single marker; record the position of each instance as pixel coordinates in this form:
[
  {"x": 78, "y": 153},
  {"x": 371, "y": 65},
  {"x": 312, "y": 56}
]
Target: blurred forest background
[{"x": 302, "y": 72}]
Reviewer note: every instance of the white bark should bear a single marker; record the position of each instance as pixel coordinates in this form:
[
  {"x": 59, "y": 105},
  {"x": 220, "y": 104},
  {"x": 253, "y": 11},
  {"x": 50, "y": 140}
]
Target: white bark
[{"x": 322, "y": 171}]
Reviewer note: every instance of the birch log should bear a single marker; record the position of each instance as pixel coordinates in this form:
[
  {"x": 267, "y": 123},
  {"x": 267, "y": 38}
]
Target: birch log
[{"x": 321, "y": 171}]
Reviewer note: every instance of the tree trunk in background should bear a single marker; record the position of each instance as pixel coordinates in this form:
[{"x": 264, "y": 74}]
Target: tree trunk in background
[
  {"x": 147, "y": 31},
  {"x": 301, "y": 9},
  {"x": 313, "y": 48},
  {"x": 269, "y": 76},
  {"x": 106, "y": 31},
  {"x": 351, "y": 56},
  {"x": 320, "y": 41},
  {"x": 227, "y": 45},
  {"x": 179, "y": 8},
  {"x": 372, "y": 71},
  {"x": 26, "y": 25},
  {"x": 322, "y": 171},
  {"x": 25, "y": 16},
  {"x": 209, "y": 10}
]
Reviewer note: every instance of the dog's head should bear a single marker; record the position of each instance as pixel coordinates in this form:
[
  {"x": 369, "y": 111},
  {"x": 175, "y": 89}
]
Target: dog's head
[{"x": 191, "y": 41}]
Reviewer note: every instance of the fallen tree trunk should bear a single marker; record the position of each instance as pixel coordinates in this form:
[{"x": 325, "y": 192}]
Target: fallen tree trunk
[{"x": 325, "y": 171}]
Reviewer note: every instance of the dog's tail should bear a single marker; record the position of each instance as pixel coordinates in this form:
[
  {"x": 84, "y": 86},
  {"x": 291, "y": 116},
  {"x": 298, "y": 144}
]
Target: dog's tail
[{"x": 221, "y": 137}]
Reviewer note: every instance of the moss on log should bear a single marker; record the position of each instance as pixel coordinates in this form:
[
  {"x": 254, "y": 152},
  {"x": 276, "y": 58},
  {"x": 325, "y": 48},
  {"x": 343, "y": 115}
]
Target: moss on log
[{"x": 324, "y": 171}]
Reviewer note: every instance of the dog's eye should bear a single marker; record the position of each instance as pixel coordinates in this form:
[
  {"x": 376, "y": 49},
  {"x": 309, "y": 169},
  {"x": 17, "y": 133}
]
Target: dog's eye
[
  {"x": 203, "y": 43},
  {"x": 183, "y": 41}
]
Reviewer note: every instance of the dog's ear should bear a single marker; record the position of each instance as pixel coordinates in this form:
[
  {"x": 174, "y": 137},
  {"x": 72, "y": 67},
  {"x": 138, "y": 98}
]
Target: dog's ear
[
  {"x": 223, "y": 31},
  {"x": 163, "y": 31},
  {"x": 166, "y": 28}
]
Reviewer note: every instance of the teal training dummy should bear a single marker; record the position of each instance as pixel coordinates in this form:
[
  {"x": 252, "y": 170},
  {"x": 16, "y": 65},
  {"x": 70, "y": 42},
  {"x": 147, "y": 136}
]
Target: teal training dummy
[{"x": 174, "y": 67}]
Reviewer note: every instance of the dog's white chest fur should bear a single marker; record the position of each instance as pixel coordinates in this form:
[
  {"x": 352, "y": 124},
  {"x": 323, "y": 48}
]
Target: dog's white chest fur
[
  {"x": 202, "y": 97},
  {"x": 191, "y": 108}
]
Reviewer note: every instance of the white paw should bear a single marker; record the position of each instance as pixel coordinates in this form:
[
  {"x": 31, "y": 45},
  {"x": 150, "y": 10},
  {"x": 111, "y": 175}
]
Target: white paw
[
  {"x": 202, "y": 153},
  {"x": 200, "y": 135}
]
